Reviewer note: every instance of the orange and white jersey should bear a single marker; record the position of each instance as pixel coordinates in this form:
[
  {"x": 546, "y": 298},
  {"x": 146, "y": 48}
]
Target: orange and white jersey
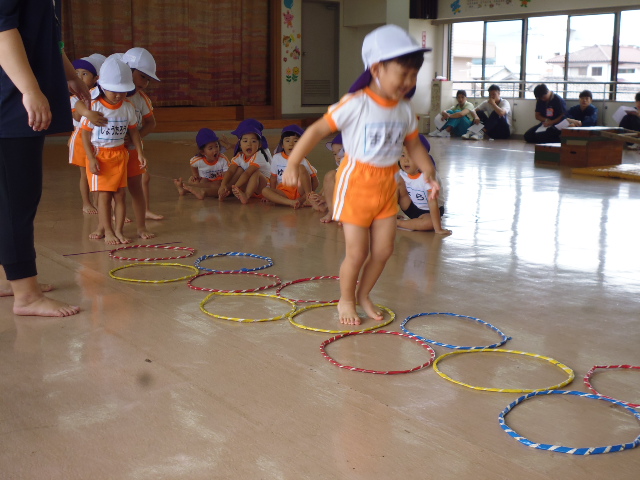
[
  {"x": 373, "y": 128},
  {"x": 212, "y": 171},
  {"x": 418, "y": 189},
  {"x": 142, "y": 104},
  {"x": 95, "y": 92},
  {"x": 120, "y": 118},
  {"x": 279, "y": 163},
  {"x": 257, "y": 159}
]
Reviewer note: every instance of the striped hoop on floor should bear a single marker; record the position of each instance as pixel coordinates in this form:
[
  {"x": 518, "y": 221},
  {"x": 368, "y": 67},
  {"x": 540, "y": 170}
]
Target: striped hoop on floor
[
  {"x": 587, "y": 381},
  {"x": 190, "y": 251},
  {"x": 560, "y": 448},
  {"x": 179, "y": 265},
  {"x": 248, "y": 320},
  {"x": 504, "y": 338},
  {"x": 392, "y": 316},
  {"x": 301, "y": 280},
  {"x": 233, "y": 254},
  {"x": 566, "y": 369},
  {"x": 277, "y": 282},
  {"x": 380, "y": 372}
]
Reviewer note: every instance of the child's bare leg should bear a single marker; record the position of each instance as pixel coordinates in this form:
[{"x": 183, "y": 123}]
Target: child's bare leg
[
  {"x": 149, "y": 215},
  {"x": 139, "y": 206},
  {"x": 383, "y": 234},
  {"x": 357, "y": 250},
  {"x": 256, "y": 183},
  {"x": 201, "y": 190},
  {"x": 104, "y": 217},
  {"x": 29, "y": 300},
  {"x": 304, "y": 181},
  {"x": 85, "y": 193},
  {"x": 180, "y": 186},
  {"x": 240, "y": 195},
  {"x": 423, "y": 223},
  {"x": 120, "y": 212},
  {"x": 277, "y": 196}
]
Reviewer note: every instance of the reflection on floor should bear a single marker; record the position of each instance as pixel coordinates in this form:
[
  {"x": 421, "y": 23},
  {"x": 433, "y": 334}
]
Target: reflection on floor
[{"x": 143, "y": 385}]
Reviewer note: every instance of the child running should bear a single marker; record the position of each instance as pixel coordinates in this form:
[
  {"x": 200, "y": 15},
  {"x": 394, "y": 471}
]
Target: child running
[
  {"x": 423, "y": 211},
  {"x": 107, "y": 155},
  {"x": 280, "y": 194},
  {"x": 324, "y": 203},
  {"x": 208, "y": 167},
  {"x": 375, "y": 120}
]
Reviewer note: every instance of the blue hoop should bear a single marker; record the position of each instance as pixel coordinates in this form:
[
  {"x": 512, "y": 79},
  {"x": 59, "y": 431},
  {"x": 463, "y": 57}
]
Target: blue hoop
[
  {"x": 560, "y": 448},
  {"x": 233, "y": 254},
  {"x": 455, "y": 347}
]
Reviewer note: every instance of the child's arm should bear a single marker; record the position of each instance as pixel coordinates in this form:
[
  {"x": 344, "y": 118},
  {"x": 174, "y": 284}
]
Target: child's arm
[
  {"x": 434, "y": 211},
  {"x": 227, "y": 142},
  {"x": 94, "y": 166},
  {"x": 273, "y": 181},
  {"x": 224, "y": 188},
  {"x": 195, "y": 175},
  {"x": 312, "y": 135},
  {"x": 246, "y": 175},
  {"x": 96, "y": 118},
  {"x": 419, "y": 155},
  {"x": 137, "y": 142},
  {"x": 148, "y": 125}
]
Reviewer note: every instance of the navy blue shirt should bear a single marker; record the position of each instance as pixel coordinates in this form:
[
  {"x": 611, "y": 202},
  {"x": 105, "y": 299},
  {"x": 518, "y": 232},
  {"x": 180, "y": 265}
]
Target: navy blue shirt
[
  {"x": 38, "y": 22},
  {"x": 552, "y": 109},
  {"x": 588, "y": 116}
]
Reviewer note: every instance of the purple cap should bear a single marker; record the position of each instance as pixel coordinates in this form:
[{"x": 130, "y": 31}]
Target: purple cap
[
  {"x": 204, "y": 136},
  {"x": 84, "y": 64},
  {"x": 337, "y": 139},
  {"x": 296, "y": 129},
  {"x": 249, "y": 125},
  {"x": 425, "y": 142}
]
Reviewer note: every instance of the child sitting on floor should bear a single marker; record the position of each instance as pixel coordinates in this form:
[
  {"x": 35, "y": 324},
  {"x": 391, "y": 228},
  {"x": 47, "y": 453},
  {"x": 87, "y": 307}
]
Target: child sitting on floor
[
  {"x": 324, "y": 203},
  {"x": 308, "y": 180},
  {"x": 413, "y": 196},
  {"x": 208, "y": 167}
]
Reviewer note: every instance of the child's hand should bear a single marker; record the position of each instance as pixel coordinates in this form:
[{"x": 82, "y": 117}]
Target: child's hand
[
  {"x": 443, "y": 231},
  {"x": 194, "y": 179},
  {"x": 143, "y": 161},
  {"x": 94, "y": 166},
  {"x": 290, "y": 176},
  {"x": 97, "y": 118},
  {"x": 223, "y": 191},
  {"x": 434, "y": 192}
]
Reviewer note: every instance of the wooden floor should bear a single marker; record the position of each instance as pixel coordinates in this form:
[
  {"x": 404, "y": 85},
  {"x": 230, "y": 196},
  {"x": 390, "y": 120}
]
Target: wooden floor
[{"x": 143, "y": 385}]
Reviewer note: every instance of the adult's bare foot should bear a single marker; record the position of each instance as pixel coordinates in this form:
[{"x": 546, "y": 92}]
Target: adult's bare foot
[
  {"x": 178, "y": 183},
  {"x": 197, "y": 191},
  {"x": 149, "y": 215},
  {"x": 347, "y": 313},
  {"x": 240, "y": 195},
  {"x": 370, "y": 308},
  {"x": 7, "y": 291},
  {"x": 44, "y": 307}
]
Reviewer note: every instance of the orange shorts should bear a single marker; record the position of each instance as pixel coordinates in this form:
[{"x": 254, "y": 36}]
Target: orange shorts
[
  {"x": 292, "y": 193},
  {"x": 77, "y": 155},
  {"x": 364, "y": 193},
  {"x": 113, "y": 170},
  {"x": 133, "y": 165}
]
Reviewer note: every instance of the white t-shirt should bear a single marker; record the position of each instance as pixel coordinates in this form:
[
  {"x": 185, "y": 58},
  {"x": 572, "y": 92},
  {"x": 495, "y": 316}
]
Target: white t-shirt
[
  {"x": 121, "y": 118},
  {"x": 142, "y": 104},
  {"x": 488, "y": 109},
  {"x": 257, "y": 159},
  {"x": 95, "y": 92},
  {"x": 419, "y": 189},
  {"x": 373, "y": 128},
  {"x": 212, "y": 171},
  {"x": 279, "y": 163}
]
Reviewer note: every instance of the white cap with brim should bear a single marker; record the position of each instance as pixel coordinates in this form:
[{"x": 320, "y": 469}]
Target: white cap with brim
[
  {"x": 115, "y": 76},
  {"x": 140, "y": 59}
]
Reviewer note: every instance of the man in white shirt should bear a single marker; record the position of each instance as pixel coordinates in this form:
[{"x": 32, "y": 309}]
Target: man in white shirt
[{"x": 494, "y": 114}]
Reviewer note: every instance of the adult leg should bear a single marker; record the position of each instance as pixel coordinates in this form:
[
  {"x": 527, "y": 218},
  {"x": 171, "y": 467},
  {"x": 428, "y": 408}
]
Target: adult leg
[
  {"x": 497, "y": 127},
  {"x": 357, "y": 249},
  {"x": 20, "y": 193},
  {"x": 530, "y": 135}
]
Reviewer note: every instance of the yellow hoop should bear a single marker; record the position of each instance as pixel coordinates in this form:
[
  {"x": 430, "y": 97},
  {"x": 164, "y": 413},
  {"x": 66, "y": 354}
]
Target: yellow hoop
[
  {"x": 392, "y": 317},
  {"x": 247, "y": 320},
  {"x": 146, "y": 264}
]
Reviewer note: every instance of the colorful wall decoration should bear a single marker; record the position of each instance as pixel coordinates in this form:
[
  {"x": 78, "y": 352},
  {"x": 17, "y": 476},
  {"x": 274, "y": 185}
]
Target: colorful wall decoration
[{"x": 290, "y": 44}]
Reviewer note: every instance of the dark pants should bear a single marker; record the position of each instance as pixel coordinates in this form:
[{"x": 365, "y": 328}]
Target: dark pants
[
  {"x": 496, "y": 126},
  {"x": 630, "y": 122},
  {"x": 20, "y": 192},
  {"x": 550, "y": 135}
]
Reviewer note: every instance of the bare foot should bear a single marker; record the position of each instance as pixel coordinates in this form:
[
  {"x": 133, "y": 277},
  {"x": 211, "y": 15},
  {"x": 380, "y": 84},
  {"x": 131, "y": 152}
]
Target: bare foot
[
  {"x": 90, "y": 209},
  {"x": 369, "y": 307},
  {"x": 7, "y": 291},
  {"x": 347, "y": 313},
  {"x": 224, "y": 195},
  {"x": 328, "y": 218},
  {"x": 126, "y": 219},
  {"x": 45, "y": 307},
  {"x": 299, "y": 203},
  {"x": 120, "y": 236},
  {"x": 197, "y": 191},
  {"x": 317, "y": 202},
  {"x": 149, "y": 215},
  {"x": 111, "y": 239},
  {"x": 178, "y": 183},
  {"x": 145, "y": 234},
  {"x": 240, "y": 195},
  {"x": 97, "y": 235}
]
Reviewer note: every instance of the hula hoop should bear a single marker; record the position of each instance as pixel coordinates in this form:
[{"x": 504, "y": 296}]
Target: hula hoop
[
  {"x": 457, "y": 347},
  {"x": 300, "y": 280},
  {"x": 381, "y": 372},
  {"x": 190, "y": 251},
  {"x": 192, "y": 268},
  {"x": 392, "y": 316},
  {"x": 566, "y": 369},
  {"x": 246, "y": 290},
  {"x": 560, "y": 448},
  {"x": 247, "y": 320},
  {"x": 233, "y": 254},
  {"x": 587, "y": 382}
]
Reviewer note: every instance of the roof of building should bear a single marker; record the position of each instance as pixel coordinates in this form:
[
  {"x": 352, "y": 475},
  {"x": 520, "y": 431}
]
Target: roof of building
[{"x": 600, "y": 54}]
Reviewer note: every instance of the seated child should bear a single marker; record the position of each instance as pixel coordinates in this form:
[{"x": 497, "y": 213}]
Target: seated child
[
  {"x": 324, "y": 203},
  {"x": 413, "y": 196},
  {"x": 278, "y": 193},
  {"x": 249, "y": 169}
]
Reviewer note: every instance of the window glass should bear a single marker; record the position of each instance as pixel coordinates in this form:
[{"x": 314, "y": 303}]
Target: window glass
[
  {"x": 629, "y": 60},
  {"x": 504, "y": 47},
  {"x": 547, "y": 39},
  {"x": 466, "y": 56}
]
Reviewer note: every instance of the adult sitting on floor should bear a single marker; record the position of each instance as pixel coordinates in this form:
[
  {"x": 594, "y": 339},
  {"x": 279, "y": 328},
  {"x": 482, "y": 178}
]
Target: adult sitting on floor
[
  {"x": 631, "y": 121},
  {"x": 584, "y": 114},
  {"x": 458, "y": 118},
  {"x": 550, "y": 110},
  {"x": 494, "y": 114}
]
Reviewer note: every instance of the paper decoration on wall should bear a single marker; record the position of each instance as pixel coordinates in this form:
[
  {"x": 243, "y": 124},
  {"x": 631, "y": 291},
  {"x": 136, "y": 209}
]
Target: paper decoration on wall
[
  {"x": 288, "y": 19},
  {"x": 287, "y": 40},
  {"x": 455, "y": 7},
  {"x": 471, "y": 4},
  {"x": 524, "y": 3},
  {"x": 292, "y": 74},
  {"x": 288, "y": 3},
  {"x": 295, "y": 53}
]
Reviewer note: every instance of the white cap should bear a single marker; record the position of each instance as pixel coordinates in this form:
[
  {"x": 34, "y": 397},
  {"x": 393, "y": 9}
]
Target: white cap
[
  {"x": 116, "y": 76},
  {"x": 140, "y": 59},
  {"x": 387, "y": 42},
  {"x": 96, "y": 60}
]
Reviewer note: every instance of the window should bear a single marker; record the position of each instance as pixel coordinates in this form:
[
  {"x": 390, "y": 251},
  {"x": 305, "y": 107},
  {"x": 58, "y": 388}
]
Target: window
[
  {"x": 629, "y": 59},
  {"x": 503, "y": 52},
  {"x": 626, "y": 70},
  {"x": 466, "y": 55},
  {"x": 596, "y": 71},
  {"x": 547, "y": 38}
]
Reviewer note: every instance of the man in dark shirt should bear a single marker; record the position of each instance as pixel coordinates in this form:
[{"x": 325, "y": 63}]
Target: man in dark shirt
[
  {"x": 584, "y": 114},
  {"x": 550, "y": 110}
]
